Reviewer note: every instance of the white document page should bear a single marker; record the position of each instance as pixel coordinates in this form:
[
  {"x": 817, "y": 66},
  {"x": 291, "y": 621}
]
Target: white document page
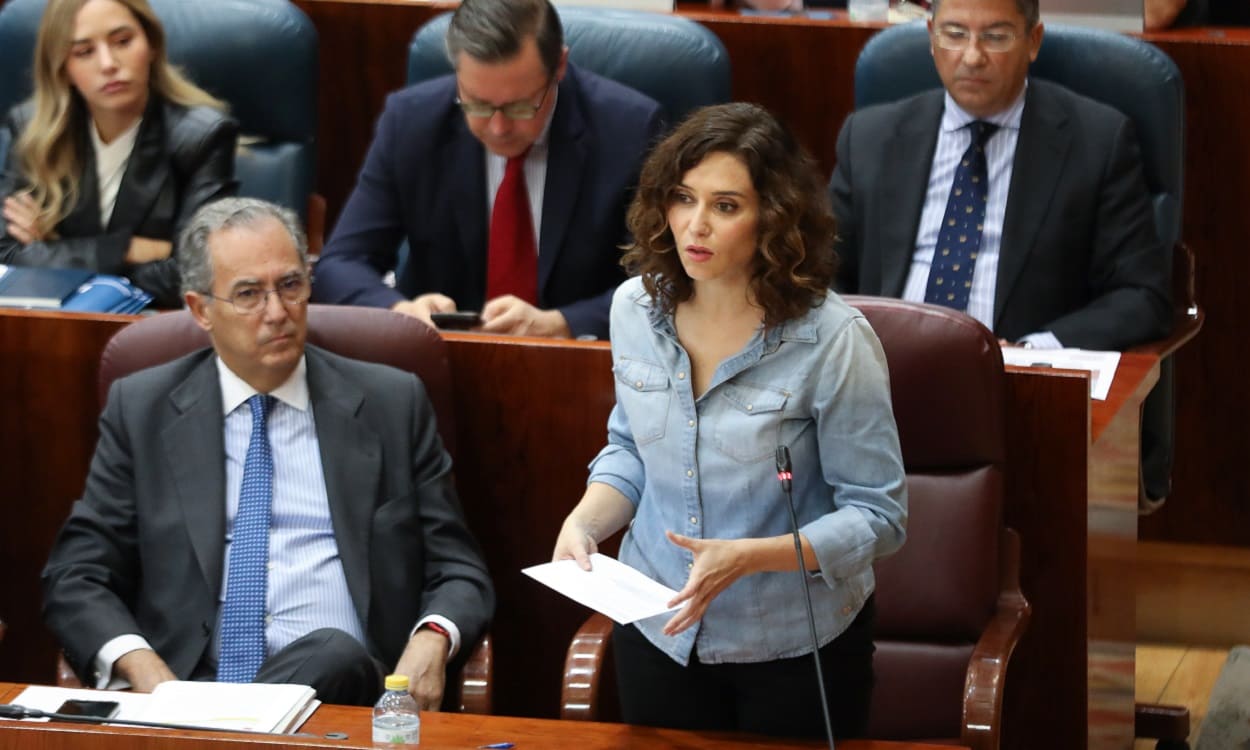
[
  {"x": 1100, "y": 365},
  {"x": 48, "y": 698},
  {"x": 610, "y": 587}
]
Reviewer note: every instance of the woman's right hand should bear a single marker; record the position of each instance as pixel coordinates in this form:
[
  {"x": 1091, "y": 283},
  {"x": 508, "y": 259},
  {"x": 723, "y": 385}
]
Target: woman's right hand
[
  {"x": 575, "y": 542},
  {"x": 21, "y": 213},
  {"x": 147, "y": 250}
]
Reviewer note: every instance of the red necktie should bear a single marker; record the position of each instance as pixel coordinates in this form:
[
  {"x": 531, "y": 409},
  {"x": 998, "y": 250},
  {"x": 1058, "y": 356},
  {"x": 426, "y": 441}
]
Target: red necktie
[{"x": 512, "y": 259}]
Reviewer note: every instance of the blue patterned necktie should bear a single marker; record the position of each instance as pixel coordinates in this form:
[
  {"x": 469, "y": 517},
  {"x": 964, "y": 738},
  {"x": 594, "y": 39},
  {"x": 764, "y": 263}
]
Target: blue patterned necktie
[
  {"x": 247, "y": 574},
  {"x": 950, "y": 275}
]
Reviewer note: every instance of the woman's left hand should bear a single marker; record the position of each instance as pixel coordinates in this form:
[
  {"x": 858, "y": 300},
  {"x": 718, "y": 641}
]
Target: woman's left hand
[
  {"x": 717, "y": 563},
  {"x": 21, "y": 213}
]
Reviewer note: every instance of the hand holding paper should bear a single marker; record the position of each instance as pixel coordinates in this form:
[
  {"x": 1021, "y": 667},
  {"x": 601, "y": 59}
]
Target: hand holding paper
[{"x": 610, "y": 587}]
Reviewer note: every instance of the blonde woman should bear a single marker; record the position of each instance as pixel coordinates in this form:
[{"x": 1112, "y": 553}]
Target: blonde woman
[{"x": 113, "y": 152}]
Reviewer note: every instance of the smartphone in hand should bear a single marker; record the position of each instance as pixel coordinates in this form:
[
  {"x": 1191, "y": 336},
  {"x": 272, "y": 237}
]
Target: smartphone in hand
[{"x": 456, "y": 321}]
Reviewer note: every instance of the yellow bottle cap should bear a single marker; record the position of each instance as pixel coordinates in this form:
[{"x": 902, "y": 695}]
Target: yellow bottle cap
[{"x": 397, "y": 682}]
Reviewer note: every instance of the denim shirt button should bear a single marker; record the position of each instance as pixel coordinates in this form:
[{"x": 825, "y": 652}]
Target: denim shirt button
[
  {"x": 689, "y": 565},
  {"x": 749, "y": 407},
  {"x": 681, "y": 376},
  {"x": 637, "y": 383},
  {"x": 694, "y": 520},
  {"x": 689, "y": 472},
  {"x": 690, "y": 423}
]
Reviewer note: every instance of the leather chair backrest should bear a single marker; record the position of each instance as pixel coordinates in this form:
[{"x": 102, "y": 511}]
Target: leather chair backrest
[
  {"x": 259, "y": 56},
  {"x": 365, "y": 333},
  {"x": 677, "y": 62},
  {"x": 936, "y": 595},
  {"x": 1121, "y": 71}
]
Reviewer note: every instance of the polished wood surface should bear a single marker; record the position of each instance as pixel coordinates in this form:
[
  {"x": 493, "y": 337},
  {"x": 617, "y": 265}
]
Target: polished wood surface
[
  {"x": 438, "y": 730},
  {"x": 530, "y": 414},
  {"x": 802, "y": 70}
]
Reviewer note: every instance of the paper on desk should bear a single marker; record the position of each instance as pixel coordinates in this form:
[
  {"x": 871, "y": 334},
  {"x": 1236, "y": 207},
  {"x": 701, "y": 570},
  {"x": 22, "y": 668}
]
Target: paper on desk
[
  {"x": 610, "y": 587},
  {"x": 1100, "y": 365},
  {"x": 48, "y": 698}
]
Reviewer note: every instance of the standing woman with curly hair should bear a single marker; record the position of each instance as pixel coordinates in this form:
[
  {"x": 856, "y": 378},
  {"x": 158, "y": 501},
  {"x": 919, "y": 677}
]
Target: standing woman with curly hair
[
  {"x": 727, "y": 344},
  {"x": 113, "y": 152}
]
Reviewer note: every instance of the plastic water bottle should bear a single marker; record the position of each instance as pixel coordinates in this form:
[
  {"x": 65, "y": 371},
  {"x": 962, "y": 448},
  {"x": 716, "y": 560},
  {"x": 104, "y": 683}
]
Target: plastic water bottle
[
  {"x": 868, "y": 10},
  {"x": 396, "y": 720}
]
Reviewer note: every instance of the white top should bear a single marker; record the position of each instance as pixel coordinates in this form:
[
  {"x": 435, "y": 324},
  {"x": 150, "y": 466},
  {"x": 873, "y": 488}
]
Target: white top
[{"x": 110, "y": 166}]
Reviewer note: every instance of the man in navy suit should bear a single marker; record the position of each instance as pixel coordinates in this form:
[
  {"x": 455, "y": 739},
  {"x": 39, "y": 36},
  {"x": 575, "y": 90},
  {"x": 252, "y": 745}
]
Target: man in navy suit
[
  {"x": 1068, "y": 252},
  {"x": 440, "y": 160}
]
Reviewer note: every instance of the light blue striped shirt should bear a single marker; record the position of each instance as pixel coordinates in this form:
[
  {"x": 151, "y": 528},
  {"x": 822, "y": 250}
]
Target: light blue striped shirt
[
  {"x": 954, "y": 137},
  {"x": 307, "y": 586}
]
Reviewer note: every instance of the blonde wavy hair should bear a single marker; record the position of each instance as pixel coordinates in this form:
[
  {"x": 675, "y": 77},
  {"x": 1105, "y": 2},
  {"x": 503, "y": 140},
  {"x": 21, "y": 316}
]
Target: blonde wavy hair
[{"x": 48, "y": 153}]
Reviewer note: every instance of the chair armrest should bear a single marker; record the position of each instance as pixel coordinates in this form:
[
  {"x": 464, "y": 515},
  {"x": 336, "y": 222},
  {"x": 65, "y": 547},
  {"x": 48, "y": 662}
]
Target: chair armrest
[
  {"x": 987, "y": 670},
  {"x": 476, "y": 679},
  {"x": 1187, "y": 317},
  {"x": 583, "y": 668},
  {"x": 65, "y": 676},
  {"x": 1161, "y": 722}
]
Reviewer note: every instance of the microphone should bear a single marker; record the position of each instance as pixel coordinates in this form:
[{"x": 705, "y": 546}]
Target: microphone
[
  {"x": 785, "y": 477},
  {"x": 14, "y": 711}
]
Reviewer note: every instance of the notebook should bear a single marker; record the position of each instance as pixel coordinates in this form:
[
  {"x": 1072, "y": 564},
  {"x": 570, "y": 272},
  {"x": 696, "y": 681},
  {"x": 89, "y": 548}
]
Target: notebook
[{"x": 39, "y": 288}]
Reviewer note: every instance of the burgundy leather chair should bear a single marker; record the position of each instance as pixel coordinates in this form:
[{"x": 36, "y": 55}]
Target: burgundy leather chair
[
  {"x": 365, "y": 333},
  {"x": 949, "y": 606}
]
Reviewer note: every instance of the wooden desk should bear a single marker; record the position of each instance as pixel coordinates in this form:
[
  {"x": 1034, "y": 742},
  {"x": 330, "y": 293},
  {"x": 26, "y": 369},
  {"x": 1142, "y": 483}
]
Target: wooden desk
[
  {"x": 438, "y": 732},
  {"x": 802, "y": 70}
]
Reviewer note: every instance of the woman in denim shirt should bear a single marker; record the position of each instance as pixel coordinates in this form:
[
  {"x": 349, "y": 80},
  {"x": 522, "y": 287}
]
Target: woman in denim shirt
[{"x": 725, "y": 345}]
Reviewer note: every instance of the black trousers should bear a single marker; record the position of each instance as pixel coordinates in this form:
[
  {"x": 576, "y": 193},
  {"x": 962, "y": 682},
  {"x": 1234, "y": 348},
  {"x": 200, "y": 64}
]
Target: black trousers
[
  {"x": 778, "y": 698},
  {"x": 329, "y": 660}
]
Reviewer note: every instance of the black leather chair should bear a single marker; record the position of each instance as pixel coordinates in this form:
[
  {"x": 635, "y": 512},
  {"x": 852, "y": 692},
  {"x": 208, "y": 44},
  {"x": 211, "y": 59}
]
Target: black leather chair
[
  {"x": 260, "y": 56},
  {"x": 671, "y": 59},
  {"x": 1141, "y": 81}
]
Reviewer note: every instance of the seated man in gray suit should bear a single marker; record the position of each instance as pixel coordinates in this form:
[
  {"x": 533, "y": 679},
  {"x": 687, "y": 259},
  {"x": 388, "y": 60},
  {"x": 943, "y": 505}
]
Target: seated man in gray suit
[
  {"x": 1040, "y": 226},
  {"x": 265, "y": 510}
]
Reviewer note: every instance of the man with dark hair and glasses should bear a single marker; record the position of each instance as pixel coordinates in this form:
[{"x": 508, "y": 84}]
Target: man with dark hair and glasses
[
  {"x": 1007, "y": 197},
  {"x": 265, "y": 510},
  {"x": 509, "y": 181}
]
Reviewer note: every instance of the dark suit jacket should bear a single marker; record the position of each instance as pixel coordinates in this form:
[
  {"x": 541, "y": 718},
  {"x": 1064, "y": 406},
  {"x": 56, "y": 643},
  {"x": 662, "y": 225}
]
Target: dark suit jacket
[
  {"x": 424, "y": 180},
  {"x": 182, "y": 159},
  {"x": 142, "y": 552},
  {"x": 1080, "y": 256}
]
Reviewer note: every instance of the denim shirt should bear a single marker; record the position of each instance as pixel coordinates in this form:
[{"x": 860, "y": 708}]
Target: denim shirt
[{"x": 706, "y": 468}]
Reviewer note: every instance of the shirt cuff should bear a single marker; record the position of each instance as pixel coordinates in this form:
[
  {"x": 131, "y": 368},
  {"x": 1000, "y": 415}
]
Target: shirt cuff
[
  {"x": 452, "y": 631},
  {"x": 108, "y": 655},
  {"x": 1041, "y": 340}
]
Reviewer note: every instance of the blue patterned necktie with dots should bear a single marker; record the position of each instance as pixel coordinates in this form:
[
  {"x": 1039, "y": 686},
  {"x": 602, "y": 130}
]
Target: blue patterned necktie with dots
[
  {"x": 247, "y": 570},
  {"x": 950, "y": 275}
]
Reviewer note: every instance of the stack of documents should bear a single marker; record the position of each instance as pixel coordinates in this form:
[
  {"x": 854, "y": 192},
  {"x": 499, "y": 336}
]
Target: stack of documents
[{"x": 256, "y": 707}]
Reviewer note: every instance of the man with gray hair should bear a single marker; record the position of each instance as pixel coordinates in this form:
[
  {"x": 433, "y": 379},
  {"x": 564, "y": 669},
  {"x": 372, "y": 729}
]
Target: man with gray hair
[
  {"x": 509, "y": 180},
  {"x": 265, "y": 510}
]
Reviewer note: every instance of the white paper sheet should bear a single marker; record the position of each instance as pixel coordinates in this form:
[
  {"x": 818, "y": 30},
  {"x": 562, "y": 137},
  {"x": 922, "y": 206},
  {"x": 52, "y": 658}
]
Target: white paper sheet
[
  {"x": 610, "y": 587},
  {"x": 1100, "y": 365}
]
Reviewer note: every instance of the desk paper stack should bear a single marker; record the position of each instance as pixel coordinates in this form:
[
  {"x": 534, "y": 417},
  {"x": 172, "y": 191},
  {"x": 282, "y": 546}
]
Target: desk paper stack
[{"x": 276, "y": 709}]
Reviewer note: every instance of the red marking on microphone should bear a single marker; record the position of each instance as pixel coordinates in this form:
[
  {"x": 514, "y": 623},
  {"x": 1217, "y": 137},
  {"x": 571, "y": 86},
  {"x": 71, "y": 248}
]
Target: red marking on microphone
[{"x": 784, "y": 476}]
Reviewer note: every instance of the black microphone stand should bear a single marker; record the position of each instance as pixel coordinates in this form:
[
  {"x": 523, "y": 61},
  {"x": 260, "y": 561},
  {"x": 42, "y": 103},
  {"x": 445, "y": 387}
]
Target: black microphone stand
[{"x": 784, "y": 475}]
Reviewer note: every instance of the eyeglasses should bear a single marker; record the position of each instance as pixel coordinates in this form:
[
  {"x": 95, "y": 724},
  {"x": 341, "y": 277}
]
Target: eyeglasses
[
  {"x": 518, "y": 110},
  {"x": 248, "y": 300},
  {"x": 957, "y": 38}
]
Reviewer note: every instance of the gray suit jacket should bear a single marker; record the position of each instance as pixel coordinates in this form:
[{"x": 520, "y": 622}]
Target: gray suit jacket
[
  {"x": 1080, "y": 256},
  {"x": 142, "y": 551}
]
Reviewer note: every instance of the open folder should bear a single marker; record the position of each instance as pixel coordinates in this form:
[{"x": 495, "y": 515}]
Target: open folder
[{"x": 610, "y": 587}]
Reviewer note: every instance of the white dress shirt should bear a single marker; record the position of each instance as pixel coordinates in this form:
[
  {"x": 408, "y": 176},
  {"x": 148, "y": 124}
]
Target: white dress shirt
[{"x": 110, "y": 165}]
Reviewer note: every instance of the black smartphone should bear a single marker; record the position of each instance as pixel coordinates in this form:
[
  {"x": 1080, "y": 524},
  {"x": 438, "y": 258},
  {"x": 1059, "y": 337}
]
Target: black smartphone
[
  {"x": 97, "y": 709},
  {"x": 456, "y": 321}
]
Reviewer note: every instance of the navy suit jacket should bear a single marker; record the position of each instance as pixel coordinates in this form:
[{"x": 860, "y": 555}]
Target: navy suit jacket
[
  {"x": 424, "y": 180},
  {"x": 1079, "y": 257}
]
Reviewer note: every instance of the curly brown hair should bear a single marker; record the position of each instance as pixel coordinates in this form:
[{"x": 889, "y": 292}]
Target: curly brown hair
[{"x": 795, "y": 263}]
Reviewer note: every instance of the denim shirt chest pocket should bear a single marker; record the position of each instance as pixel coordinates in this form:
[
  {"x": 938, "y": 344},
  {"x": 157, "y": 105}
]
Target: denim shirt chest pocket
[
  {"x": 747, "y": 420},
  {"x": 642, "y": 390}
]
